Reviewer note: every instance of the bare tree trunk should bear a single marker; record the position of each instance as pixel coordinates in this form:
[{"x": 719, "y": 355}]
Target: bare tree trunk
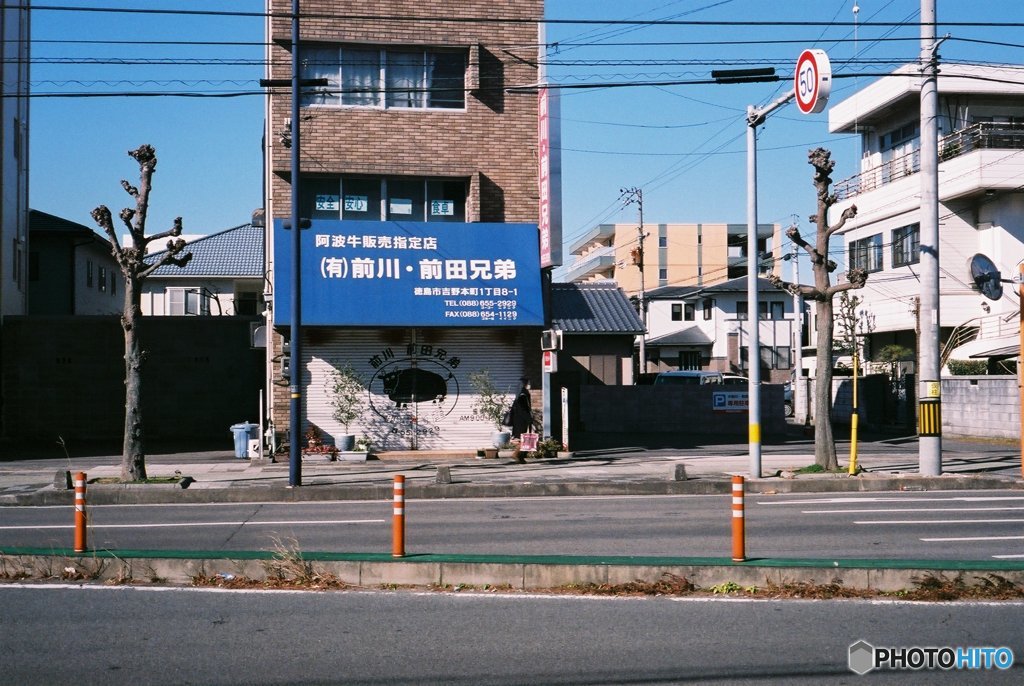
[
  {"x": 133, "y": 455},
  {"x": 824, "y": 442}
]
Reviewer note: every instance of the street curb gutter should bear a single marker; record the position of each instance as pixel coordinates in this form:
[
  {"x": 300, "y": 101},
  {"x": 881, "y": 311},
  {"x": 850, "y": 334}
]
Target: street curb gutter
[
  {"x": 516, "y": 572},
  {"x": 208, "y": 492}
]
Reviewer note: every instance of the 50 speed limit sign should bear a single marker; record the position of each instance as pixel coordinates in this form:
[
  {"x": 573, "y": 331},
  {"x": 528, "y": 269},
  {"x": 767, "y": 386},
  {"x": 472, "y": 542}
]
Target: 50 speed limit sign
[{"x": 813, "y": 81}]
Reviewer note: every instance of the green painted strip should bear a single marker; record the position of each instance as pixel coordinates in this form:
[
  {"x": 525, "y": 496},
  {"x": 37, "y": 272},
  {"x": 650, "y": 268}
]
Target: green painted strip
[{"x": 608, "y": 560}]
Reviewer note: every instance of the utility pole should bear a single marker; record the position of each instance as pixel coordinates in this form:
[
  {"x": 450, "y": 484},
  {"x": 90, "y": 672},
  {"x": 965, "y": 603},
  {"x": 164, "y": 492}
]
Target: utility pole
[
  {"x": 636, "y": 195},
  {"x": 799, "y": 411},
  {"x": 929, "y": 385}
]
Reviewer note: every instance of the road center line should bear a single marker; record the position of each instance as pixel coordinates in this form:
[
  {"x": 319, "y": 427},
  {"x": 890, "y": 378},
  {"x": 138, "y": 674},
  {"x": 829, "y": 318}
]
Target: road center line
[{"x": 975, "y": 538}]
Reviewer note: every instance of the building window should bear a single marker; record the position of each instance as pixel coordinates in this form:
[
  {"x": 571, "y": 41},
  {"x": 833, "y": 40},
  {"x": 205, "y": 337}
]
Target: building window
[
  {"x": 103, "y": 280},
  {"x": 413, "y": 199},
  {"x": 689, "y": 359},
  {"x": 688, "y": 312},
  {"x": 662, "y": 241},
  {"x": 187, "y": 301},
  {"x": 897, "y": 137},
  {"x": 778, "y": 310},
  {"x": 866, "y": 253},
  {"x": 741, "y": 309},
  {"x": 762, "y": 310},
  {"x": 906, "y": 245},
  {"x": 662, "y": 274},
  {"x": 246, "y": 303},
  {"x": 391, "y": 78},
  {"x": 677, "y": 312},
  {"x": 707, "y": 305},
  {"x": 88, "y": 273}
]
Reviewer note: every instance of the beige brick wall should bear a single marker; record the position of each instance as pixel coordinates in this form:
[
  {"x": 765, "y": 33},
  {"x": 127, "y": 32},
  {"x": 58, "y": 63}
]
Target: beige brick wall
[{"x": 493, "y": 142}]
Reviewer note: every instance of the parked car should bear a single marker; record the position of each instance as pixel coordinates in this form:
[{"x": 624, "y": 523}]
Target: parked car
[
  {"x": 688, "y": 376},
  {"x": 733, "y": 380}
]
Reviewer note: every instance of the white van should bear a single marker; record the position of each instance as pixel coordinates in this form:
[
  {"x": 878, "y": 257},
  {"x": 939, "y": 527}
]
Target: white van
[{"x": 688, "y": 377}]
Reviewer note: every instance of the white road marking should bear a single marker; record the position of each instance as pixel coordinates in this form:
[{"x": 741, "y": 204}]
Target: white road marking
[
  {"x": 182, "y": 525},
  {"x": 975, "y": 538},
  {"x": 941, "y": 521},
  {"x": 913, "y": 509},
  {"x": 890, "y": 499}
]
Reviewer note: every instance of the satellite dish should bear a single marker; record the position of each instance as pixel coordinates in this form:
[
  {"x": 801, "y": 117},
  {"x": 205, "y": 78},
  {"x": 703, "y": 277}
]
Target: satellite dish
[{"x": 986, "y": 277}]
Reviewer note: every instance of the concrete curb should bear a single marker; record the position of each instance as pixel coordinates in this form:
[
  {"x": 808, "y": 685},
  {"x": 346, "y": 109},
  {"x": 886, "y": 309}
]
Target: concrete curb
[
  {"x": 213, "y": 492},
  {"x": 375, "y": 571}
]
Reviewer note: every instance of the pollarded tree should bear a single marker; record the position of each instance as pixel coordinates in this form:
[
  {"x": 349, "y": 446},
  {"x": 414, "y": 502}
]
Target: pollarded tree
[
  {"x": 135, "y": 269},
  {"x": 822, "y": 293}
]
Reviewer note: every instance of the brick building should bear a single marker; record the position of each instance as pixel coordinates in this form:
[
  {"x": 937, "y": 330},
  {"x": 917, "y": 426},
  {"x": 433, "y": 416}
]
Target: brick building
[{"x": 414, "y": 156}]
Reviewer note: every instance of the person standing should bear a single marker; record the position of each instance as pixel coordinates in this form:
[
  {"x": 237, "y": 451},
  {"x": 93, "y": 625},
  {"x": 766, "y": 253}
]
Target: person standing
[{"x": 522, "y": 417}]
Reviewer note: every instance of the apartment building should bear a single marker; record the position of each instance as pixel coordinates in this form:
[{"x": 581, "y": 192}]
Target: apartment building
[
  {"x": 419, "y": 175},
  {"x": 981, "y": 204}
]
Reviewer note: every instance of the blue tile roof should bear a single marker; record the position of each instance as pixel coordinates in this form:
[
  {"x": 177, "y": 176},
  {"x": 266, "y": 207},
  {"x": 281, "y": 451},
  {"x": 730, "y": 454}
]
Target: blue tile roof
[
  {"x": 593, "y": 308},
  {"x": 236, "y": 252}
]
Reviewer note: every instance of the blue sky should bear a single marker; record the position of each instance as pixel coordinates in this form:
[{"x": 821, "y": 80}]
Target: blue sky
[{"x": 684, "y": 145}]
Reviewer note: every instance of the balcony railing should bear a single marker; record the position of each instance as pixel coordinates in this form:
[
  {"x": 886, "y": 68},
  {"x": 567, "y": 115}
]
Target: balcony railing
[{"x": 980, "y": 136}]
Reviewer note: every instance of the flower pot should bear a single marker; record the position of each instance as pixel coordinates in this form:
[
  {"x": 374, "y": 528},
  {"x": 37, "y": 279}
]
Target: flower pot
[
  {"x": 345, "y": 442},
  {"x": 501, "y": 439}
]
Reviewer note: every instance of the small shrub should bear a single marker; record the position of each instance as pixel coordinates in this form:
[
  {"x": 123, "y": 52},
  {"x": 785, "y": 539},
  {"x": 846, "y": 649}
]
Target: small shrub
[{"x": 967, "y": 367}]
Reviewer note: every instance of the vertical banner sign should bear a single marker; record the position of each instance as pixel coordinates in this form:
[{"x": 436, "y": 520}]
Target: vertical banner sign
[{"x": 549, "y": 178}]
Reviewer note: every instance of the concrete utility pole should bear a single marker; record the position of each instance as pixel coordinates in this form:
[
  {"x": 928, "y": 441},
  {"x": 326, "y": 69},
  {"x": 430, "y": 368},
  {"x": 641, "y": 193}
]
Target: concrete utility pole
[
  {"x": 637, "y": 195},
  {"x": 929, "y": 384},
  {"x": 799, "y": 411}
]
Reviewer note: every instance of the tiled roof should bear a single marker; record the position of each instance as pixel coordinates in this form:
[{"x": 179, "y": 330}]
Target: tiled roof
[
  {"x": 737, "y": 285},
  {"x": 236, "y": 252},
  {"x": 598, "y": 308},
  {"x": 689, "y": 336}
]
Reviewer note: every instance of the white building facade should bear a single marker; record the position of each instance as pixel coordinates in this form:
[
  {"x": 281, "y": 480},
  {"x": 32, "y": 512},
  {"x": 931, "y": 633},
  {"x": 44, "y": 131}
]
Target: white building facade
[{"x": 981, "y": 203}]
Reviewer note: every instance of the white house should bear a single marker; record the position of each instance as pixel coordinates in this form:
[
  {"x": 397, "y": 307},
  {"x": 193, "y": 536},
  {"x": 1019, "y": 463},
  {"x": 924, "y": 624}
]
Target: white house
[
  {"x": 707, "y": 327},
  {"x": 224, "y": 277},
  {"x": 981, "y": 203}
]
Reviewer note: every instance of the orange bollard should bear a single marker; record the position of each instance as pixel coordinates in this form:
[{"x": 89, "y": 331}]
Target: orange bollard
[
  {"x": 738, "y": 523},
  {"x": 398, "y": 520},
  {"x": 80, "y": 512}
]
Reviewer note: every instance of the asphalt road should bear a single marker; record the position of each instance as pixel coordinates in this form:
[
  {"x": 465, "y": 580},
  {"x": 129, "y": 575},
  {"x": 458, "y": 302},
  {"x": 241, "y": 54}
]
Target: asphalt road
[
  {"x": 145, "y": 635},
  {"x": 969, "y": 525}
]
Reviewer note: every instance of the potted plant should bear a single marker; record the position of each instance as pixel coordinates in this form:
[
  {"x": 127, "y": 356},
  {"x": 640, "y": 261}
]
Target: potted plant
[
  {"x": 346, "y": 388},
  {"x": 490, "y": 404}
]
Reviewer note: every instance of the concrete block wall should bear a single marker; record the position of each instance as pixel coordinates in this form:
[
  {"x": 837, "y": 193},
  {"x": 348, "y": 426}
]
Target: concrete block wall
[
  {"x": 672, "y": 409},
  {"x": 983, "y": 406},
  {"x": 64, "y": 376}
]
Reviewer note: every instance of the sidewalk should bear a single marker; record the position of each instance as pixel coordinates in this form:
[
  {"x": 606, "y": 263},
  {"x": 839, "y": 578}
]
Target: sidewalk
[{"x": 217, "y": 476}]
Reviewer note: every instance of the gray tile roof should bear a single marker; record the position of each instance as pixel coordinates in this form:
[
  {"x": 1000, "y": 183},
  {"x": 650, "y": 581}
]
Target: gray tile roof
[
  {"x": 689, "y": 336},
  {"x": 737, "y": 285},
  {"x": 236, "y": 252},
  {"x": 592, "y": 308}
]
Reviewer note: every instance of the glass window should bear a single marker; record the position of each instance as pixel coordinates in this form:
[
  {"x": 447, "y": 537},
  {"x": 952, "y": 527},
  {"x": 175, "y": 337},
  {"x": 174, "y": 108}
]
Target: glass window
[
  {"x": 446, "y": 200},
  {"x": 375, "y": 77},
  {"x": 662, "y": 241},
  {"x": 360, "y": 77},
  {"x": 741, "y": 309},
  {"x": 778, "y": 310},
  {"x": 866, "y": 253},
  {"x": 906, "y": 245},
  {"x": 677, "y": 312},
  {"x": 688, "y": 312},
  {"x": 321, "y": 198},
  {"x": 88, "y": 273},
  {"x": 405, "y": 199},
  {"x": 762, "y": 310},
  {"x": 708, "y": 304},
  {"x": 360, "y": 198},
  {"x": 103, "y": 280}
]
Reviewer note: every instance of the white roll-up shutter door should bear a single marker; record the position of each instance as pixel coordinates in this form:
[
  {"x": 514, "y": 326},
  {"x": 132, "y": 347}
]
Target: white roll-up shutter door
[{"x": 418, "y": 392}]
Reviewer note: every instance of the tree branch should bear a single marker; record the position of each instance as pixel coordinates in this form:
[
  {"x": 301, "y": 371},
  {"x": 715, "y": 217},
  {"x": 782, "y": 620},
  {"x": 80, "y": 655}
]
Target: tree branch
[
  {"x": 849, "y": 213},
  {"x": 173, "y": 232},
  {"x": 856, "y": 278}
]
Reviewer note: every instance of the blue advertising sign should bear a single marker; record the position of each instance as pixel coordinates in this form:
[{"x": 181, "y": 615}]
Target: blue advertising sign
[{"x": 371, "y": 273}]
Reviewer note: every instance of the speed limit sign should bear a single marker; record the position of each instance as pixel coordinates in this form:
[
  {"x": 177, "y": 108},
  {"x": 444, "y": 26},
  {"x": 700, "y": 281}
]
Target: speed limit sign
[{"x": 813, "y": 81}]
